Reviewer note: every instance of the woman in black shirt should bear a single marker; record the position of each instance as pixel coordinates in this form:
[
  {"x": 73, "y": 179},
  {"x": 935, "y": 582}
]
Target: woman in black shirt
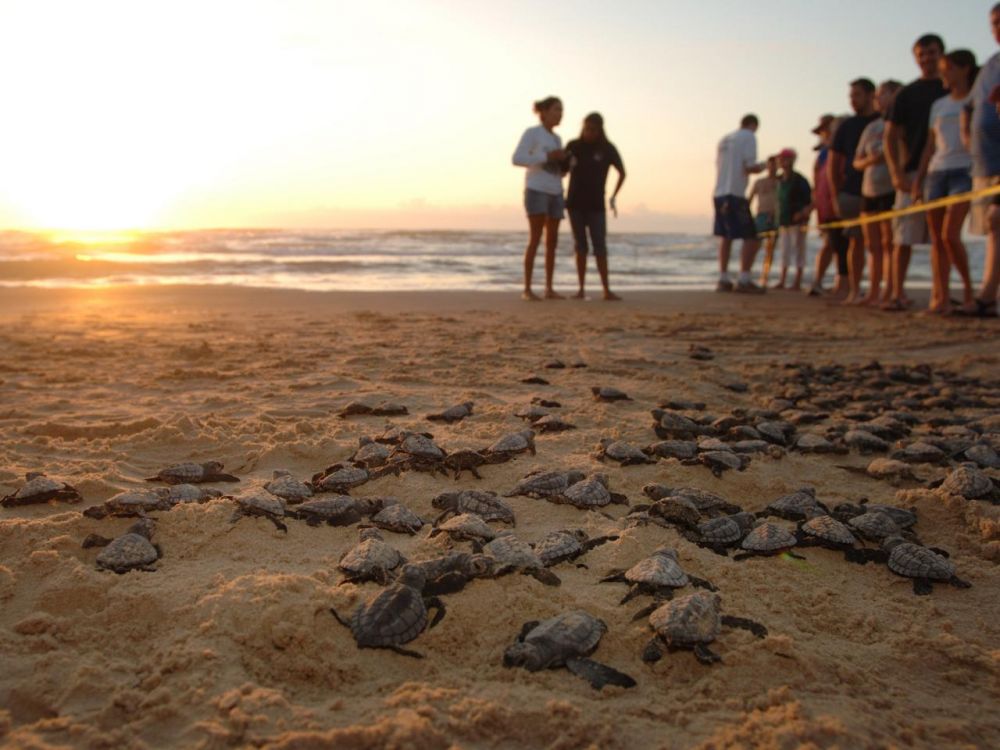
[{"x": 590, "y": 158}]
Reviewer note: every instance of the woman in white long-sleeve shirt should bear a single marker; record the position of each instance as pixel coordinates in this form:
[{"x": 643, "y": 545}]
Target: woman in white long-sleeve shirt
[{"x": 541, "y": 151}]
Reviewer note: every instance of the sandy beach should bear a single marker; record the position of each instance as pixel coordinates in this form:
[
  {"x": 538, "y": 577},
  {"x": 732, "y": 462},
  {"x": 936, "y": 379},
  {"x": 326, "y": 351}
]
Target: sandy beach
[{"x": 230, "y": 643}]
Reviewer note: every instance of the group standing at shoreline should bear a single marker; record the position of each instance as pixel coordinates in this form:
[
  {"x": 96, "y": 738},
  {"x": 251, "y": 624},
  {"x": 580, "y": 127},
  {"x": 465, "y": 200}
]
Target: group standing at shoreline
[{"x": 903, "y": 145}]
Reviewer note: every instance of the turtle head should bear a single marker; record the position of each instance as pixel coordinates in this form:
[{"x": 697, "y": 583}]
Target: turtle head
[
  {"x": 279, "y": 473},
  {"x": 601, "y": 478},
  {"x": 33, "y": 475},
  {"x": 605, "y": 442},
  {"x": 212, "y": 467},
  {"x": 574, "y": 476},
  {"x": 892, "y": 542},
  {"x": 744, "y": 520},
  {"x": 657, "y": 414},
  {"x": 579, "y": 534},
  {"x": 523, "y": 654},
  {"x": 412, "y": 576},
  {"x": 143, "y": 527},
  {"x": 479, "y": 566},
  {"x": 368, "y": 532},
  {"x": 445, "y": 500}
]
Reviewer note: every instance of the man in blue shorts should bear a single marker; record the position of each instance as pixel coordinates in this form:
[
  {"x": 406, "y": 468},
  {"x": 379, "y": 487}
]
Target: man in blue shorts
[{"x": 736, "y": 160}]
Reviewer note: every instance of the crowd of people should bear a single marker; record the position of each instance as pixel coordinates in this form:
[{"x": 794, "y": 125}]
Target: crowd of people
[{"x": 925, "y": 146}]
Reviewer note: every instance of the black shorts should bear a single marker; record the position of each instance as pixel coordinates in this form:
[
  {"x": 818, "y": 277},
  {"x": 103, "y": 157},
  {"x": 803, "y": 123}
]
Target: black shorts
[
  {"x": 733, "y": 219},
  {"x": 878, "y": 204}
]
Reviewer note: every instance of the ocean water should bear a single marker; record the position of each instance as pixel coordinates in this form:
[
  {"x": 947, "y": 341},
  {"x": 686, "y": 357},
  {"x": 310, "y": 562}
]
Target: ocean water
[{"x": 367, "y": 260}]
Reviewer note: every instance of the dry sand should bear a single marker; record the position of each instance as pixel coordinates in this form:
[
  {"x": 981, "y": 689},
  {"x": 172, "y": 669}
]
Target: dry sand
[{"x": 230, "y": 642}]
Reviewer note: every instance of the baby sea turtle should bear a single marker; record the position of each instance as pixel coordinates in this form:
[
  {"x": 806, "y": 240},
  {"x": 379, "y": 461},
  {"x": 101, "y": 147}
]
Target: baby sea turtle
[
  {"x": 708, "y": 503},
  {"x": 885, "y": 468},
  {"x": 624, "y": 453},
  {"x": 393, "y": 435},
  {"x": 680, "y": 404},
  {"x": 657, "y": 576},
  {"x": 371, "y": 559},
  {"x": 418, "y": 452},
  {"x": 137, "y": 502},
  {"x": 464, "y": 460},
  {"x": 810, "y": 442},
  {"x": 983, "y": 455},
  {"x": 720, "y": 461},
  {"x": 552, "y": 423},
  {"x": 532, "y": 412},
  {"x": 874, "y": 526},
  {"x": 398, "y": 518},
  {"x": 796, "y": 506},
  {"x": 609, "y": 394},
  {"x": 540, "y": 483},
  {"x": 188, "y": 493},
  {"x": 565, "y": 641},
  {"x": 511, "y": 555},
  {"x": 923, "y": 565},
  {"x": 38, "y": 488},
  {"x": 338, "y": 510},
  {"x": 865, "y": 442},
  {"x": 680, "y": 449},
  {"x": 383, "y": 409},
  {"x": 767, "y": 539},
  {"x": 395, "y": 616},
  {"x": 671, "y": 425},
  {"x": 970, "y": 482},
  {"x": 455, "y": 413},
  {"x": 777, "y": 432},
  {"x": 667, "y": 512},
  {"x": 192, "y": 473},
  {"x": 718, "y": 534},
  {"x": 691, "y": 623},
  {"x": 288, "y": 488},
  {"x": 259, "y": 502},
  {"x": 341, "y": 477},
  {"x": 488, "y": 505},
  {"x": 920, "y": 453},
  {"x": 133, "y": 550},
  {"x": 371, "y": 453},
  {"x": 451, "y": 572},
  {"x": 567, "y": 544},
  {"x": 589, "y": 493},
  {"x": 509, "y": 446},
  {"x": 826, "y": 531},
  {"x": 465, "y": 527}
]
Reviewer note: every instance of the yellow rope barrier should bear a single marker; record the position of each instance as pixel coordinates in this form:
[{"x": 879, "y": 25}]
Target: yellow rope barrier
[{"x": 916, "y": 208}]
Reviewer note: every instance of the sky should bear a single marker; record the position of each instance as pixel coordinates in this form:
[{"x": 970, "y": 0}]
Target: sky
[{"x": 404, "y": 113}]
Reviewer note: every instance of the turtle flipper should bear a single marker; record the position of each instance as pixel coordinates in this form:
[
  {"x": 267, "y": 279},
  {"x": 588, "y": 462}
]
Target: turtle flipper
[
  {"x": 406, "y": 652},
  {"x": 614, "y": 576},
  {"x": 95, "y": 540},
  {"x": 652, "y": 652},
  {"x": 525, "y": 629},
  {"x": 864, "y": 555},
  {"x": 597, "y": 541},
  {"x": 542, "y": 575},
  {"x": 959, "y": 583},
  {"x": 922, "y": 586},
  {"x": 745, "y": 624},
  {"x": 646, "y": 611},
  {"x": 705, "y": 655},
  {"x": 220, "y": 478},
  {"x": 279, "y": 525},
  {"x": 597, "y": 674},
  {"x": 448, "y": 583},
  {"x": 633, "y": 592},
  {"x": 340, "y": 619},
  {"x": 432, "y": 602},
  {"x": 702, "y": 583}
]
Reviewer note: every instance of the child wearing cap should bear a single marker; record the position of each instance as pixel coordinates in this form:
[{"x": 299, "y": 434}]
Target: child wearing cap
[{"x": 794, "y": 207}]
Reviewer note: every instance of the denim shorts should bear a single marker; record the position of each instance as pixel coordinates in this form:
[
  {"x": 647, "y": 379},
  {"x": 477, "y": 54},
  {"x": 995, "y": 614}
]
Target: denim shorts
[
  {"x": 537, "y": 202},
  {"x": 946, "y": 182}
]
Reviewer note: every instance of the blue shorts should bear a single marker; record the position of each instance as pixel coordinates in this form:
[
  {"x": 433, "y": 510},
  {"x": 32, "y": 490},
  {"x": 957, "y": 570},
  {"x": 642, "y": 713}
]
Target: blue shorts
[
  {"x": 537, "y": 202},
  {"x": 733, "y": 220},
  {"x": 946, "y": 182},
  {"x": 767, "y": 223}
]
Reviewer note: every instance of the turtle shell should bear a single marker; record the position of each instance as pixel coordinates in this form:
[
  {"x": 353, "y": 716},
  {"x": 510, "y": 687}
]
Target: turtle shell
[
  {"x": 128, "y": 552},
  {"x": 723, "y": 530},
  {"x": 341, "y": 478},
  {"x": 703, "y": 500},
  {"x": 40, "y": 489},
  {"x": 516, "y": 442},
  {"x": 688, "y": 620},
  {"x": 984, "y": 456},
  {"x": 140, "y": 501},
  {"x": 914, "y": 561},
  {"x": 190, "y": 493},
  {"x": 797, "y": 505},
  {"x": 420, "y": 446},
  {"x": 589, "y": 493},
  {"x": 488, "y": 505},
  {"x": 657, "y": 491},
  {"x": 768, "y": 537},
  {"x": 903, "y": 517},
  {"x": 543, "y": 484},
  {"x": 565, "y": 636},
  {"x": 368, "y": 557},
  {"x": 372, "y": 453},
  {"x": 467, "y": 525},
  {"x": 874, "y": 525},
  {"x": 674, "y": 424},
  {"x": 919, "y": 453},
  {"x": 680, "y": 449},
  {"x": 393, "y": 617},
  {"x": 511, "y": 552},
  {"x": 557, "y": 546},
  {"x": 865, "y": 441},
  {"x": 889, "y": 468},
  {"x": 723, "y": 460},
  {"x": 259, "y": 500},
  {"x": 810, "y": 442},
  {"x": 829, "y": 529},
  {"x": 659, "y": 569},
  {"x": 676, "y": 509},
  {"x": 969, "y": 482},
  {"x": 332, "y": 509},
  {"x": 398, "y": 518},
  {"x": 287, "y": 487},
  {"x": 606, "y": 393},
  {"x": 619, "y": 450},
  {"x": 532, "y": 412}
]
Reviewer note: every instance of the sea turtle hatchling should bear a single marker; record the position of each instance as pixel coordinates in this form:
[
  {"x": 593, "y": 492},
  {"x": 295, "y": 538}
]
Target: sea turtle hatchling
[
  {"x": 692, "y": 622},
  {"x": 39, "y": 488},
  {"x": 885, "y": 468},
  {"x": 133, "y": 550},
  {"x": 288, "y": 488},
  {"x": 342, "y": 477},
  {"x": 767, "y": 539},
  {"x": 546, "y": 484},
  {"x": 464, "y": 460},
  {"x": 720, "y": 461},
  {"x": 532, "y": 412},
  {"x": 565, "y": 640},
  {"x": 920, "y": 453},
  {"x": 465, "y": 527},
  {"x": 708, "y": 503},
  {"x": 603, "y": 393},
  {"x": 136, "y": 502},
  {"x": 796, "y": 506},
  {"x": 395, "y": 616},
  {"x": 624, "y": 453},
  {"x": 922, "y": 564},
  {"x": 193, "y": 473},
  {"x": 336, "y": 510},
  {"x": 670, "y": 425},
  {"x": 259, "y": 502},
  {"x": 667, "y": 512},
  {"x": 865, "y": 442},
  {"x": 371, "y": 559},
  {"x": 178, "y": 494},
  {"x": 371, "y": 453},
  {"x": 719, "y": 534},
  {"x": 589, "y": 493},
  {"x": 455, "y": 413},
  {"x": 972, "y": 483},
  {"x": 551, "y": 423},
  {"x": 488, "y": 505},
  {"x": 508, "y": 446},
  {"x": 567, "y": 544},
  {"x": 418, "y": 452},
  {"x": 874, "y": 526},
  {"x": 679, "y": 449},
  {"x": 512, "y": 555},
  {"x": 826, "y": 531},
  {"x": 657, "y": 576},
  {"x": 398, "y": 518},
  {"x": 383, "y": 409},
  {"x": 983, "y": 455}
]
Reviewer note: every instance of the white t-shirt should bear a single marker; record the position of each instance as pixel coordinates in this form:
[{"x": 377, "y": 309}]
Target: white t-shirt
[
  {"x": 949, "y": 153},
  {"x": 737, "y": 151},
  {"x": 532, "y": 152},
  {"x": 876, "y": 180}
]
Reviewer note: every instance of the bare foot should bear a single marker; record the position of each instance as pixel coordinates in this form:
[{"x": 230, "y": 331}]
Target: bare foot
[
  {"x": 580, "y": 295},
  {"x": 796, "y": 288},
  {"x": 872, "y": 300},
  {"x": 529, "y": 295},
  {"x": 552, "y": 294},
  {"x": 610, "y": 296},
  {"x": 850, "y": 299}
]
